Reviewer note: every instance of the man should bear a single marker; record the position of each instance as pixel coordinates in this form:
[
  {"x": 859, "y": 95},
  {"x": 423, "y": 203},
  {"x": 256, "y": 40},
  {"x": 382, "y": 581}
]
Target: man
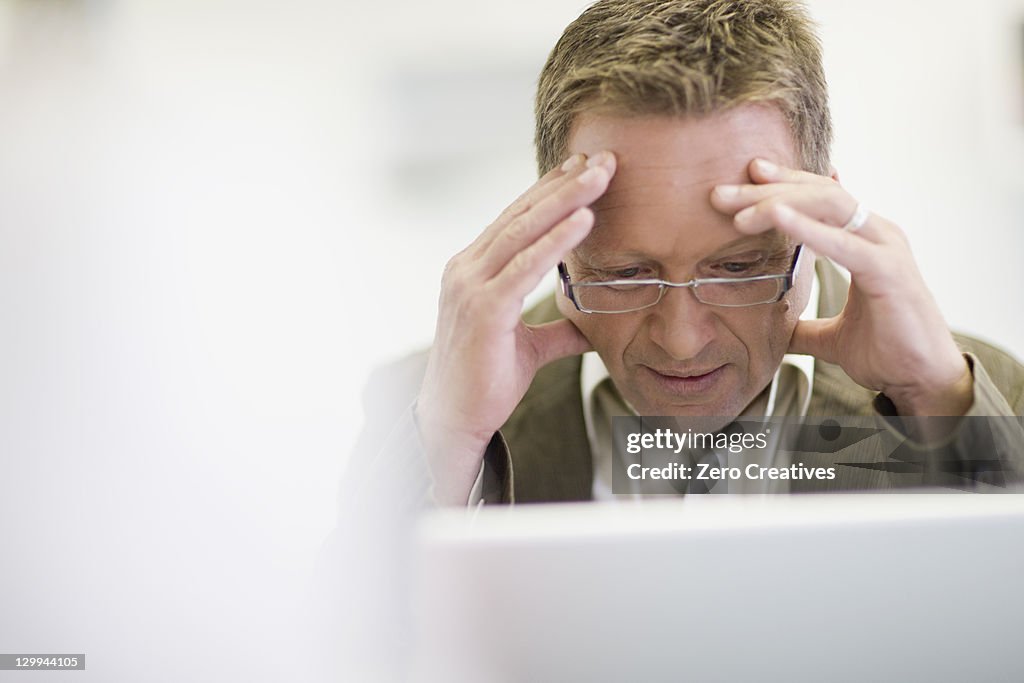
[
  {"x": 688, "y": 205},
  {"x": 679, "y": 143}
]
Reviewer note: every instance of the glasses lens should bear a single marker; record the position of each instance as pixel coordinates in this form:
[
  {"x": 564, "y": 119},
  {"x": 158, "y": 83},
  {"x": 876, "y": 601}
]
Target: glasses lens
[
  {"x": 740, "y": 293},
  {"x": 616, "y": 298}
]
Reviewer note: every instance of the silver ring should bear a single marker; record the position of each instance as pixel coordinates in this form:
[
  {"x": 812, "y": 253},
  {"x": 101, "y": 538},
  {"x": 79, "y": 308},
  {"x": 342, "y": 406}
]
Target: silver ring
[{"x": 858, "y": 219}]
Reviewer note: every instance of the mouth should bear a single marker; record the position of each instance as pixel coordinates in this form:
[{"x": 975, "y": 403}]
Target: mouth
[{"x": 689, "y": 382}]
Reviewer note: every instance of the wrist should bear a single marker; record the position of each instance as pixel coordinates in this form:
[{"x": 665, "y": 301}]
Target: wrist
[
  {"x": 453, "y": 458},
  {"x": 952, "y": 395}
]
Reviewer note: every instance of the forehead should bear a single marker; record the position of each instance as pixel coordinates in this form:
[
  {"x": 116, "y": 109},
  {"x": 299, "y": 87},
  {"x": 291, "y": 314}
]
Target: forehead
[{"x": 658, "y": 203}]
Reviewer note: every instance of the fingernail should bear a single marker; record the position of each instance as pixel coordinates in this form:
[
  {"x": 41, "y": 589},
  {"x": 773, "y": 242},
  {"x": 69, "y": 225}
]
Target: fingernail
[
  {"x": 591, "y": 174},
  {"x": 572, "y": 162},
  {"x": 727, "y": 191},
  {"x": 599, "y": 159},
  {"x": 783, "y": 212},
  {"x": 766, "y": 166},
  {"x": 744, "y": 215}
]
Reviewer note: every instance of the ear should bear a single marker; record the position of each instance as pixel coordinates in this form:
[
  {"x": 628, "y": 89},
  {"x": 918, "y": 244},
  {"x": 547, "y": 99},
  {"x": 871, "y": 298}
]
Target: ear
[
  {"x": 804, "y": 280},
  {"x": 833, "y": 173}
]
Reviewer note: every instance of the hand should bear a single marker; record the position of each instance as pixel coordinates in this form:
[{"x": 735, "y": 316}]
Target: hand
[
  {"x": 484, "y": 356},
  {"x": 890, "y": 337}
]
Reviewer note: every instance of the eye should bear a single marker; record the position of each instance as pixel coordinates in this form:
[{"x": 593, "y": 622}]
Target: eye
[
  {"x": 738, "y": 267},
  {"x": 626, "y": 273}
]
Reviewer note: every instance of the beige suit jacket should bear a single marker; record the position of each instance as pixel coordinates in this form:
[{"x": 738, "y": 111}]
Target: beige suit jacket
[{"x": 542, "y": 453}]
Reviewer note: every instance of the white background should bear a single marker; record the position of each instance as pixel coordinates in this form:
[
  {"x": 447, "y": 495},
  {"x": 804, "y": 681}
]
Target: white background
[{"x": 217, "y": 217}]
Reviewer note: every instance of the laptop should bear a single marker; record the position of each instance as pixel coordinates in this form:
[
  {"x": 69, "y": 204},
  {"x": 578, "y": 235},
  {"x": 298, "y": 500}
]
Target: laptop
[{"x": 836, "y": 587}]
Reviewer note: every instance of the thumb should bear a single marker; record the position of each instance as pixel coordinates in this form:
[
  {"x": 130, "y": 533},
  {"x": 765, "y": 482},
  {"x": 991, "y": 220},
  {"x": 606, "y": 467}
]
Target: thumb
[
  {"x": 814, "y": 338},
  {"x": 557, "y": 339}
]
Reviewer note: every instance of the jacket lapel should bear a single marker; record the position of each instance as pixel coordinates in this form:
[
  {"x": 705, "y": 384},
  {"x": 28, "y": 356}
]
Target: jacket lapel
[
  {"x": 547, "y": 438},
  {"x": 546, "y": 435}
]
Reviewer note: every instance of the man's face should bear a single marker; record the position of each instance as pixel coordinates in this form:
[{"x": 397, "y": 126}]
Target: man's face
[{"x": 682, "y": 357}]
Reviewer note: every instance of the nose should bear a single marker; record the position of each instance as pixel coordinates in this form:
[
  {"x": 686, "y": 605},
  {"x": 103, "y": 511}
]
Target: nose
[{"x": 681, "y": 325}]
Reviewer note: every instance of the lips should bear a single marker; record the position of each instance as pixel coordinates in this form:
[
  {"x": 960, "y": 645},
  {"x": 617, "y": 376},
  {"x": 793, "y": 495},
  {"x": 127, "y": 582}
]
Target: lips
[
  {"x": 690, "y": 374},
  {"x": 690, "y": 382}
]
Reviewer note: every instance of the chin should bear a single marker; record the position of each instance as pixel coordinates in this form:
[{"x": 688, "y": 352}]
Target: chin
[
  {"x": 725, "y": 408},
  {"x": 709, "y": 417},
  {"x": 724, "y": 412}
]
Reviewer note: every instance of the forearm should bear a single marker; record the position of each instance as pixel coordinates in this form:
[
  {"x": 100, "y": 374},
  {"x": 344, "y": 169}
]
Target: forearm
[{"x": 985, "y": 445}]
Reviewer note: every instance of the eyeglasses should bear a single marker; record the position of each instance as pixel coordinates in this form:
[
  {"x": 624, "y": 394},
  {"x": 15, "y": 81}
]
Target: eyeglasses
[{"x": 625, "y": 296}]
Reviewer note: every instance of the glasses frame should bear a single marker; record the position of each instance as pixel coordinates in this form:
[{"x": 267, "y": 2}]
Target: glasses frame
[{"x": 788, "y": 279}]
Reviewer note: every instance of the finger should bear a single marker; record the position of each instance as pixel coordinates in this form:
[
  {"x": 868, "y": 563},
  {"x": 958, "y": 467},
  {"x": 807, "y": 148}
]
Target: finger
[
  {"x": 554, "y": 179},
  {"x": 814, "y": 338},
  {"x": 530, "y": 226},
  {"x": 764, "y": 171},
  {"x": 830, "y": 205},
  {"x": 731, "y": 199},
  {"x": 854, "y": 253},
  {"x": 555, "y": 340},
  {"x": 528, "y": 266}
]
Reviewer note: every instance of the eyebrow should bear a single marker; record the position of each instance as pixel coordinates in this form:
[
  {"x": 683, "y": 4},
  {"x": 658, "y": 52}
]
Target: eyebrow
[
  {"x": 766, "y": 240},
  {"x": 771, "y": 239}
]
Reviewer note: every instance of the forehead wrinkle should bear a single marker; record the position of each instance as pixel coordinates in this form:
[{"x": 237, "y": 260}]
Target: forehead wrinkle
[
  {"x": 642, "y": 194},
  {"x": 712, "y": 169},
  {"x": 719, "y": 162},
  {"x": 683, "y": 210},
  {"x": 625, "y": 183},
  {"x": 619, "y": 185}
]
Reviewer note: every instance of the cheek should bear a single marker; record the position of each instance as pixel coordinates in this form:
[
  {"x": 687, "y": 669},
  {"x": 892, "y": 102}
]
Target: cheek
[
  {"x": 776, "y": 329},
  {"x": 566, "y": 307},
  {"x": 608, "y": 334},
  {"x": 765, "y": 339},
  {"x": 779, "y": 331}
]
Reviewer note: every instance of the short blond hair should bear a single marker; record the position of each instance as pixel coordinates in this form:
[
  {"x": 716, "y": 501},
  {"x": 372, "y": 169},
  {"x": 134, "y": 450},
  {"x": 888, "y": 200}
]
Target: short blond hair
[{"x": 686, "y": 58}]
